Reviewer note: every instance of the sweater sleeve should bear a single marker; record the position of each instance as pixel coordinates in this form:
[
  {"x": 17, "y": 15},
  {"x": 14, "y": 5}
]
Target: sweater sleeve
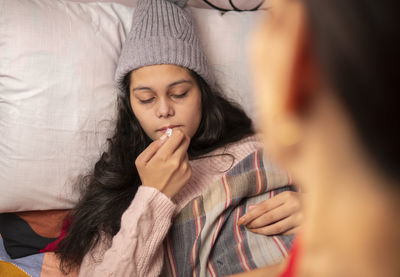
[{"x": 136, "y": 250}]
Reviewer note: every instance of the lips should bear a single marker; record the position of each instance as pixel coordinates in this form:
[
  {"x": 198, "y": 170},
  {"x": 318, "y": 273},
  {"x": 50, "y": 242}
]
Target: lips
[{"x": 163, "y": 129}]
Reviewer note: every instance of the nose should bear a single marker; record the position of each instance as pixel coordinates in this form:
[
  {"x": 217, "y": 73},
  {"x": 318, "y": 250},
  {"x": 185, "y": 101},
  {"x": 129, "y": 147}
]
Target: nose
[{"x": 164, "y": 109}]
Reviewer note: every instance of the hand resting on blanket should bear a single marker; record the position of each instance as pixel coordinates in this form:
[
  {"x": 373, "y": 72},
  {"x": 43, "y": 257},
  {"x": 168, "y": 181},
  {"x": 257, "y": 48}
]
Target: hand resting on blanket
[{"x": 281, "y": 214}]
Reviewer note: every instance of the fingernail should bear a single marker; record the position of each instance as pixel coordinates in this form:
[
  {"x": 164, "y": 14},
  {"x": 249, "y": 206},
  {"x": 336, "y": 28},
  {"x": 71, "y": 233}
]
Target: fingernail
[
  {"x": 163, "y": 137},
  {"x": 252, "y": 207},
  {"x": 168, "y": 132},
  {"x": 240, "y": 221}
]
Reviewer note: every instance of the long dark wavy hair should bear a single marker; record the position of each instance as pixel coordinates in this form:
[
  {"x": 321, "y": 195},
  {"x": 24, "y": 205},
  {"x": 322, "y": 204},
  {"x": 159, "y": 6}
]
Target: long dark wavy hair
[{"x": 111, "y": 187}]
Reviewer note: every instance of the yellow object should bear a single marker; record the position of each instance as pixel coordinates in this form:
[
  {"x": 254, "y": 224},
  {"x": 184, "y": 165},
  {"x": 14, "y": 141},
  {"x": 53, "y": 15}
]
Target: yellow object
[{"x": 10, "y": 270}]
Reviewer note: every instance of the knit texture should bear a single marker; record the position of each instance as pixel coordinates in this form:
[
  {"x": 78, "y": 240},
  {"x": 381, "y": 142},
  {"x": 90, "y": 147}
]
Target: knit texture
[
  {"x": 163, "y": 32},
  {"x": 137, "y": 249}
]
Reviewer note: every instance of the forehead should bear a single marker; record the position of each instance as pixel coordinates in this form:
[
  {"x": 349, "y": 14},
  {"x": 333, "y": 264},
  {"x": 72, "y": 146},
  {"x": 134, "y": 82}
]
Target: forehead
[{"x": 159, "y": 74}]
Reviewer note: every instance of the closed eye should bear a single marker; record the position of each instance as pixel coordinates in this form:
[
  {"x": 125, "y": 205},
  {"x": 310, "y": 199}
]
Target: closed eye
[
  {"x": 180, "y": 95},
  {"x": 147, "y": 101}
]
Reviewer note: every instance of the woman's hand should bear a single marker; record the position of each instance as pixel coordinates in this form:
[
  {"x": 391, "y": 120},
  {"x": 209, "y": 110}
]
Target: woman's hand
[
  {"x": 164, "y": 164},
  {"x": 281, "y": 214}
]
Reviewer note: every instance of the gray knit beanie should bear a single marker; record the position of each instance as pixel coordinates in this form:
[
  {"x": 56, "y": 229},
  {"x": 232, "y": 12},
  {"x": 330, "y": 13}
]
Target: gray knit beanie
[{"x": 162, "y": 32}]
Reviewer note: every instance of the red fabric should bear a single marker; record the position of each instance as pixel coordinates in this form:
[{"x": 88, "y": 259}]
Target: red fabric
[
  {"x": 51, "y": 247},
  {"x": 293, "y": 260}
]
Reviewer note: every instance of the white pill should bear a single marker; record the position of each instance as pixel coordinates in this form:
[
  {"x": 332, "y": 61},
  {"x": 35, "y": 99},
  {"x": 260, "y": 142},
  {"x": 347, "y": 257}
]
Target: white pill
[{"x": 169, "y": 132}]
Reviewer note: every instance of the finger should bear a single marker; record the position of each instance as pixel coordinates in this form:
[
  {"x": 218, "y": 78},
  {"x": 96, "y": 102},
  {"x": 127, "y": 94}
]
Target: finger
[
  {"x": 250, "y": 207},
  {"x": 151, "y": 150},
  {"x": 276, "y": 228},
  {"x": 271, "y": 216},
  {"x": 187, "y": 169},
  {"x": 293, "y": 231},
  {"x": 181, "y": 152},
  {"x": 185, "y": 158},
  {"x": 172, "y": 144},
  {"x": 285, "y": 196},
  {"x": 258, "y": 210},
  {"x": 289, "y": 198}
]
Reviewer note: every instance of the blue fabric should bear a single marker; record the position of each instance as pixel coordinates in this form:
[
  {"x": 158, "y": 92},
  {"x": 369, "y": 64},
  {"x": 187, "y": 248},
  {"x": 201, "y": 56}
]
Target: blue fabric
[{"x": 32, "y": 264}]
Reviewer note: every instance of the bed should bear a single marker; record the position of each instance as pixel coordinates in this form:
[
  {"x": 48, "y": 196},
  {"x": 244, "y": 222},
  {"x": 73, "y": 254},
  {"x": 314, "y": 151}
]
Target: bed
[{"x": 57, "y": 103}]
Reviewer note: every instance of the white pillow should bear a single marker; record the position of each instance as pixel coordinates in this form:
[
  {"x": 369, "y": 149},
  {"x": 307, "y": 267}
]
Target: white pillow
[
  {"x": 57, "y": 100},
  {"x": 224, "y": 38}
]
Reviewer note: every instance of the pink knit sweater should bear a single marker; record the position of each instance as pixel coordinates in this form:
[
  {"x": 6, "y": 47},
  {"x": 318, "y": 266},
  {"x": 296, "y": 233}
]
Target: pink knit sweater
[{"x": 137, "y": 249}]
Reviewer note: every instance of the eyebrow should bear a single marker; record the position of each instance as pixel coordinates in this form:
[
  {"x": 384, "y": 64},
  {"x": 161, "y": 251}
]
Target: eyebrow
[
  {"x": 169, "y": 86},
  {"x": 179, "y": 82}
]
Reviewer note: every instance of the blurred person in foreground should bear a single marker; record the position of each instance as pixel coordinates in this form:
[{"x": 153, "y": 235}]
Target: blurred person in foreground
[{"x": 327, "y": 87}]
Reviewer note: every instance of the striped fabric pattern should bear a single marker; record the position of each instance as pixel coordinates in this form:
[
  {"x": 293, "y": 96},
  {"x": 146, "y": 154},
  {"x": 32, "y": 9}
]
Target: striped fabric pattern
[{"x": 205, "y": 239}]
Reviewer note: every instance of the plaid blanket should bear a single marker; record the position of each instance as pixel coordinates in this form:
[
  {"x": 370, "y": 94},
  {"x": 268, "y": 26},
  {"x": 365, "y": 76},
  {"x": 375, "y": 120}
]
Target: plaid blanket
[{"x": 205, "y": 239}]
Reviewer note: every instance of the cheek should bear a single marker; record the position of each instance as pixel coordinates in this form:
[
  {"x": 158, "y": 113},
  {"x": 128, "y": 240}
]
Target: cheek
[
  {"x": 193, "y": 116},
  {"x": 198, "y": 114},
  {"x": 142, "y": 117}
]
